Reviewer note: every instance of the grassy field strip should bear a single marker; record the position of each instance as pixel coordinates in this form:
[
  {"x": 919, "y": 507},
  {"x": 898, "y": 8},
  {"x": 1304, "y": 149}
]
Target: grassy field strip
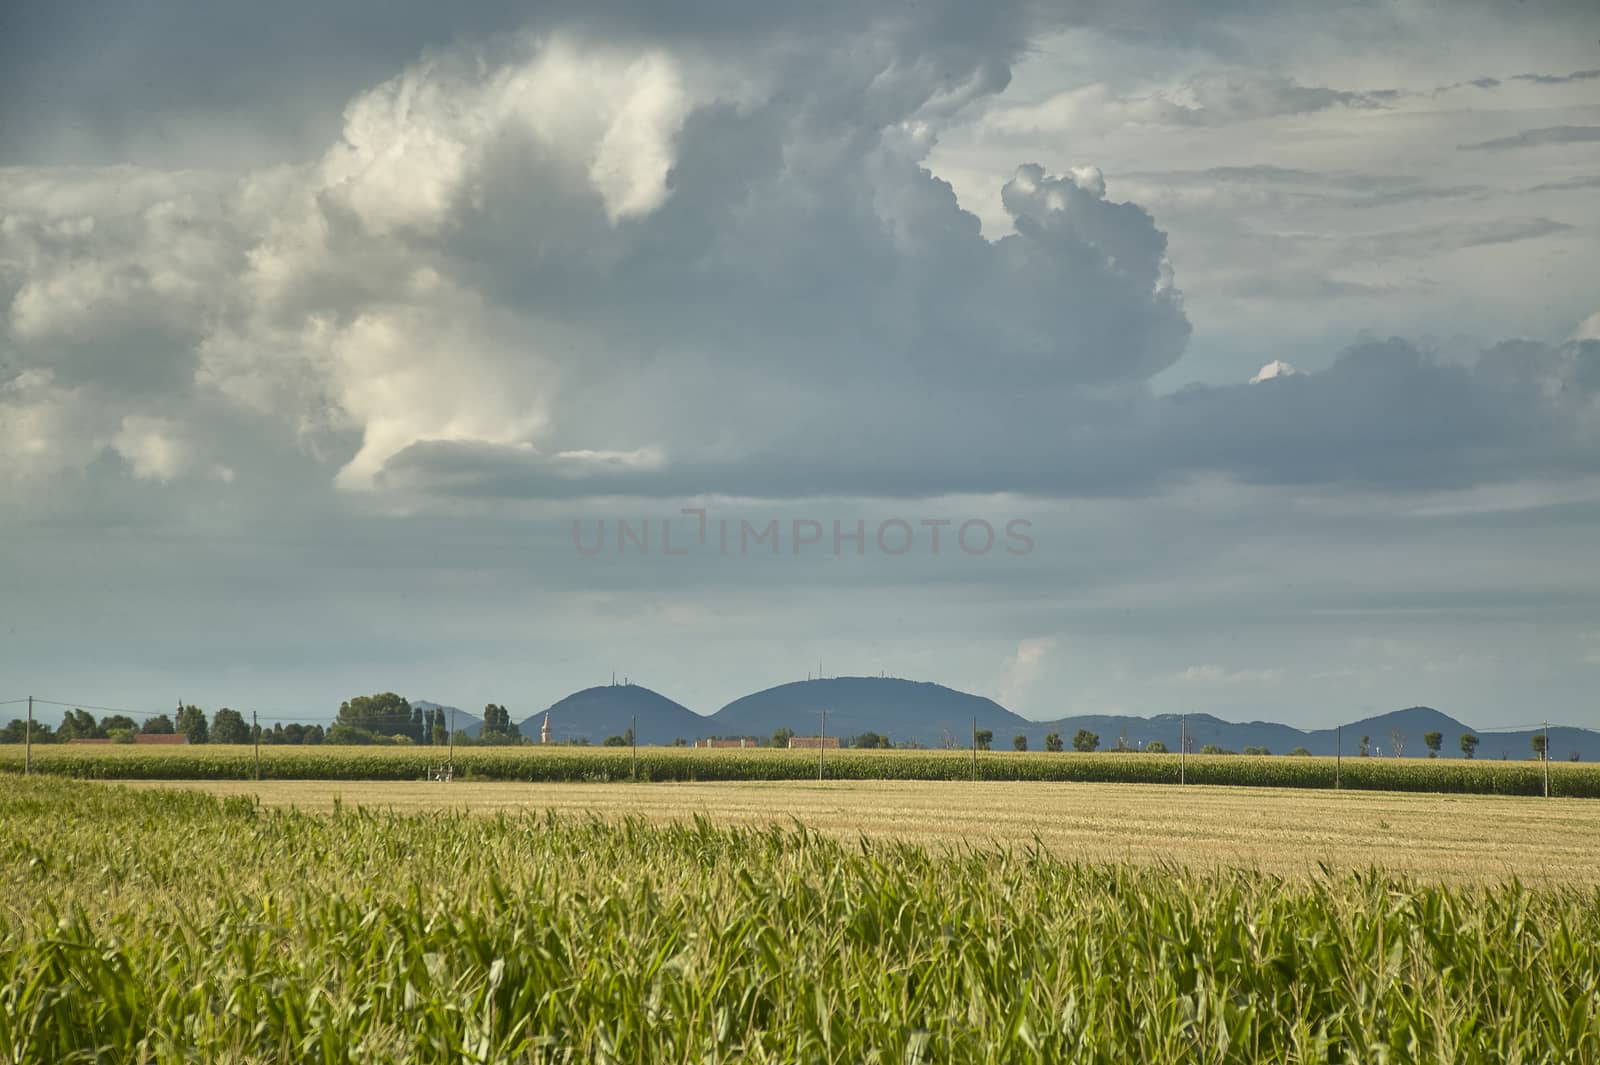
[
  {"x": 616, "y": 764},
  {"x": 1455, "y": 838}
]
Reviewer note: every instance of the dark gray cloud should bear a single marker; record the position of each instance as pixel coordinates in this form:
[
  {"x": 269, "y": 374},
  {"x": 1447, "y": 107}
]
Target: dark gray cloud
[
  {"x": 1423, "y": 241},
  {"x": 1487, "y": 82},
  {"x": 90, "y": 81},
  {"x": 1583, "y": 181},
  {"x": 453, "y": 267},
  {"x": 1538, "y": 138},
  {"x": 1387, "y": 415},
  {"x": 1558, "y": 79},
  {"x": 1344, "y": 188},
  {"x": 1384, "y": 415},
  {"x": 1200, "y": 101}
]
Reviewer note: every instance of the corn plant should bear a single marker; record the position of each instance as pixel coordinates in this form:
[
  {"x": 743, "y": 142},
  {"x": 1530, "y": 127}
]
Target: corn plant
[
  {"x": 168, "y": 926},
  {"x": 598, "y": 764}
]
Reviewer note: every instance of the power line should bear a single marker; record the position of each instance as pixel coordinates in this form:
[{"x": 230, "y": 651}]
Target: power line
[
  {"x": 103, "y": 709},
  {"x": 142, "y": 713}
]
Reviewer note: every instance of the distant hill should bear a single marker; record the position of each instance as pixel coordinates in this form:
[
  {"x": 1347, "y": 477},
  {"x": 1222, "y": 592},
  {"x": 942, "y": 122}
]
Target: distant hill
[
  {"x": 1411, "y": 725},
  {"x": 1208, "y": 729},
  {"x": 1408, "y": 726},
  {"x": 920, "y": 712},
  {"x": 608, "y": 710},
  {"x": 903, "y": 710},
  {"x": 1140, "y": 732},
  {"x": 465, "y": 722}
]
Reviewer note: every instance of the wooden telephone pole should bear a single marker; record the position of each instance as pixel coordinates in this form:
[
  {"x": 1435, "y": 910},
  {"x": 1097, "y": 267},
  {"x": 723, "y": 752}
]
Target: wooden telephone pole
[
  {"x": 1183, "y": 748},
  {"x": 822, "y": 743},
  {"x": 974, "y": 749}
]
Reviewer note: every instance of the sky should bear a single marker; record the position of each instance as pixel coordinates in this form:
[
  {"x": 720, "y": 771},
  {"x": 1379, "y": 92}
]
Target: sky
[{"x": 1136, "y": 357}]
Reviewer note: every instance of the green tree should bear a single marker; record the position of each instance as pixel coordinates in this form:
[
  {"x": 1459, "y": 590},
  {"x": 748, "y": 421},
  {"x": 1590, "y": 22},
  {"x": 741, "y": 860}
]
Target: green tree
[
  {"x": 1469, "y": 744},
  {"x": 1020, "y": 742},
  {"x": 1156, "y": 747},
  {"x": 160, "y": 725},
  {"x": 1300, "y": 752},
  {"x": 348, "y": 734},
  {"x": 1433, "y": 741},
  {"x": 120, "y": 735},
  {"x": 983, "y": 737},
  {"x": 79, "y": 725},
  {"x": 227, "y": 726},
  {"x": 1085, "y": 741},
  {"x": 192, "y": 723},
  {"x": 1257, "y": 751},
  {"x": 17, "y": 732},
  {"x": 615, "y": 741},
  {"x": 1365, "y": 743},
  {"x": 497, "y": 724},
  {"x": 1052, "y": 742},
  {"x": 1538, "y": 745},
  {"x": 781, "y": 737},
  {"x": 384, "y": 714},
  {"x": 121, "y": 722}
]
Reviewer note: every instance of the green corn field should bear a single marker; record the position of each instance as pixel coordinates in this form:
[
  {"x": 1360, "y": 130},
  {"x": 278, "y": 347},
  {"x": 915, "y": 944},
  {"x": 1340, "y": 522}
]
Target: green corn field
[
  {"x": 170, "y": 926},
  {"x": 595, "y": 764}
]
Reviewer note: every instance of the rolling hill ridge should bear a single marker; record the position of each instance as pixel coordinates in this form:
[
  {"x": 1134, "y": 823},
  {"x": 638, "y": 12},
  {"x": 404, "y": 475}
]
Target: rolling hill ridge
[
  {"x": 610, "y": 709},
  {"x": 933, "y": 715}
]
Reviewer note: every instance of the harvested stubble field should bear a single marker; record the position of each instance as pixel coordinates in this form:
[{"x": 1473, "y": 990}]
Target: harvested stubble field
[
  {"x": 167, "y": 925},
  {"x": 1456, "y": 838},
  {"x": 603, "y": 764}
]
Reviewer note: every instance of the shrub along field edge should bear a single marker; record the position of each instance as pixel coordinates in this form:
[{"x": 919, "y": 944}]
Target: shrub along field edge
[{"x": 602, "y": 764}]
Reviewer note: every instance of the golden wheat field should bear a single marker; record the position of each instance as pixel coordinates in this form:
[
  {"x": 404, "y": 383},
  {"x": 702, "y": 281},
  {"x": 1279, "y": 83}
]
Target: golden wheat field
[{"x": 1288, "y": 832}]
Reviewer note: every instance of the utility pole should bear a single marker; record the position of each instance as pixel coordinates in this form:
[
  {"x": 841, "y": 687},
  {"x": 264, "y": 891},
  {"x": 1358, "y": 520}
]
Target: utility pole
[
  {"x": 453, "y": 741},
  {"x": 1545, "y": 754},
  {"x": 633, "y": 741},
  {"x": 1183, "y": 747},
  {"x": 27, "y": 746},
  {"x": 974, "y": 749},
  {"x": 1338, "y": 753},
  {"x": 255, "y": 730},
  {"x": 822, "y": 744}
]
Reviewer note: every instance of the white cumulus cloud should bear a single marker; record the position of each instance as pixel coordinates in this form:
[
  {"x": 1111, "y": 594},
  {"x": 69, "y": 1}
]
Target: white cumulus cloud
[{"x": 1275, "y": 368}]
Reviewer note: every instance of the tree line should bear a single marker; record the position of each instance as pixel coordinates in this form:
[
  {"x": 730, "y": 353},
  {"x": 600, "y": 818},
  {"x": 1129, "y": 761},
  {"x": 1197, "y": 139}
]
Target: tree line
[
  {"x": 225, "y": 726},
  {"x": 365, "y": 719},
  {"x": 388, "y": 718}
]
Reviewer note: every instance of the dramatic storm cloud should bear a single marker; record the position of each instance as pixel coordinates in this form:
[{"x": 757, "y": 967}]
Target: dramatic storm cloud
[{"x": 320, "y": 336}]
